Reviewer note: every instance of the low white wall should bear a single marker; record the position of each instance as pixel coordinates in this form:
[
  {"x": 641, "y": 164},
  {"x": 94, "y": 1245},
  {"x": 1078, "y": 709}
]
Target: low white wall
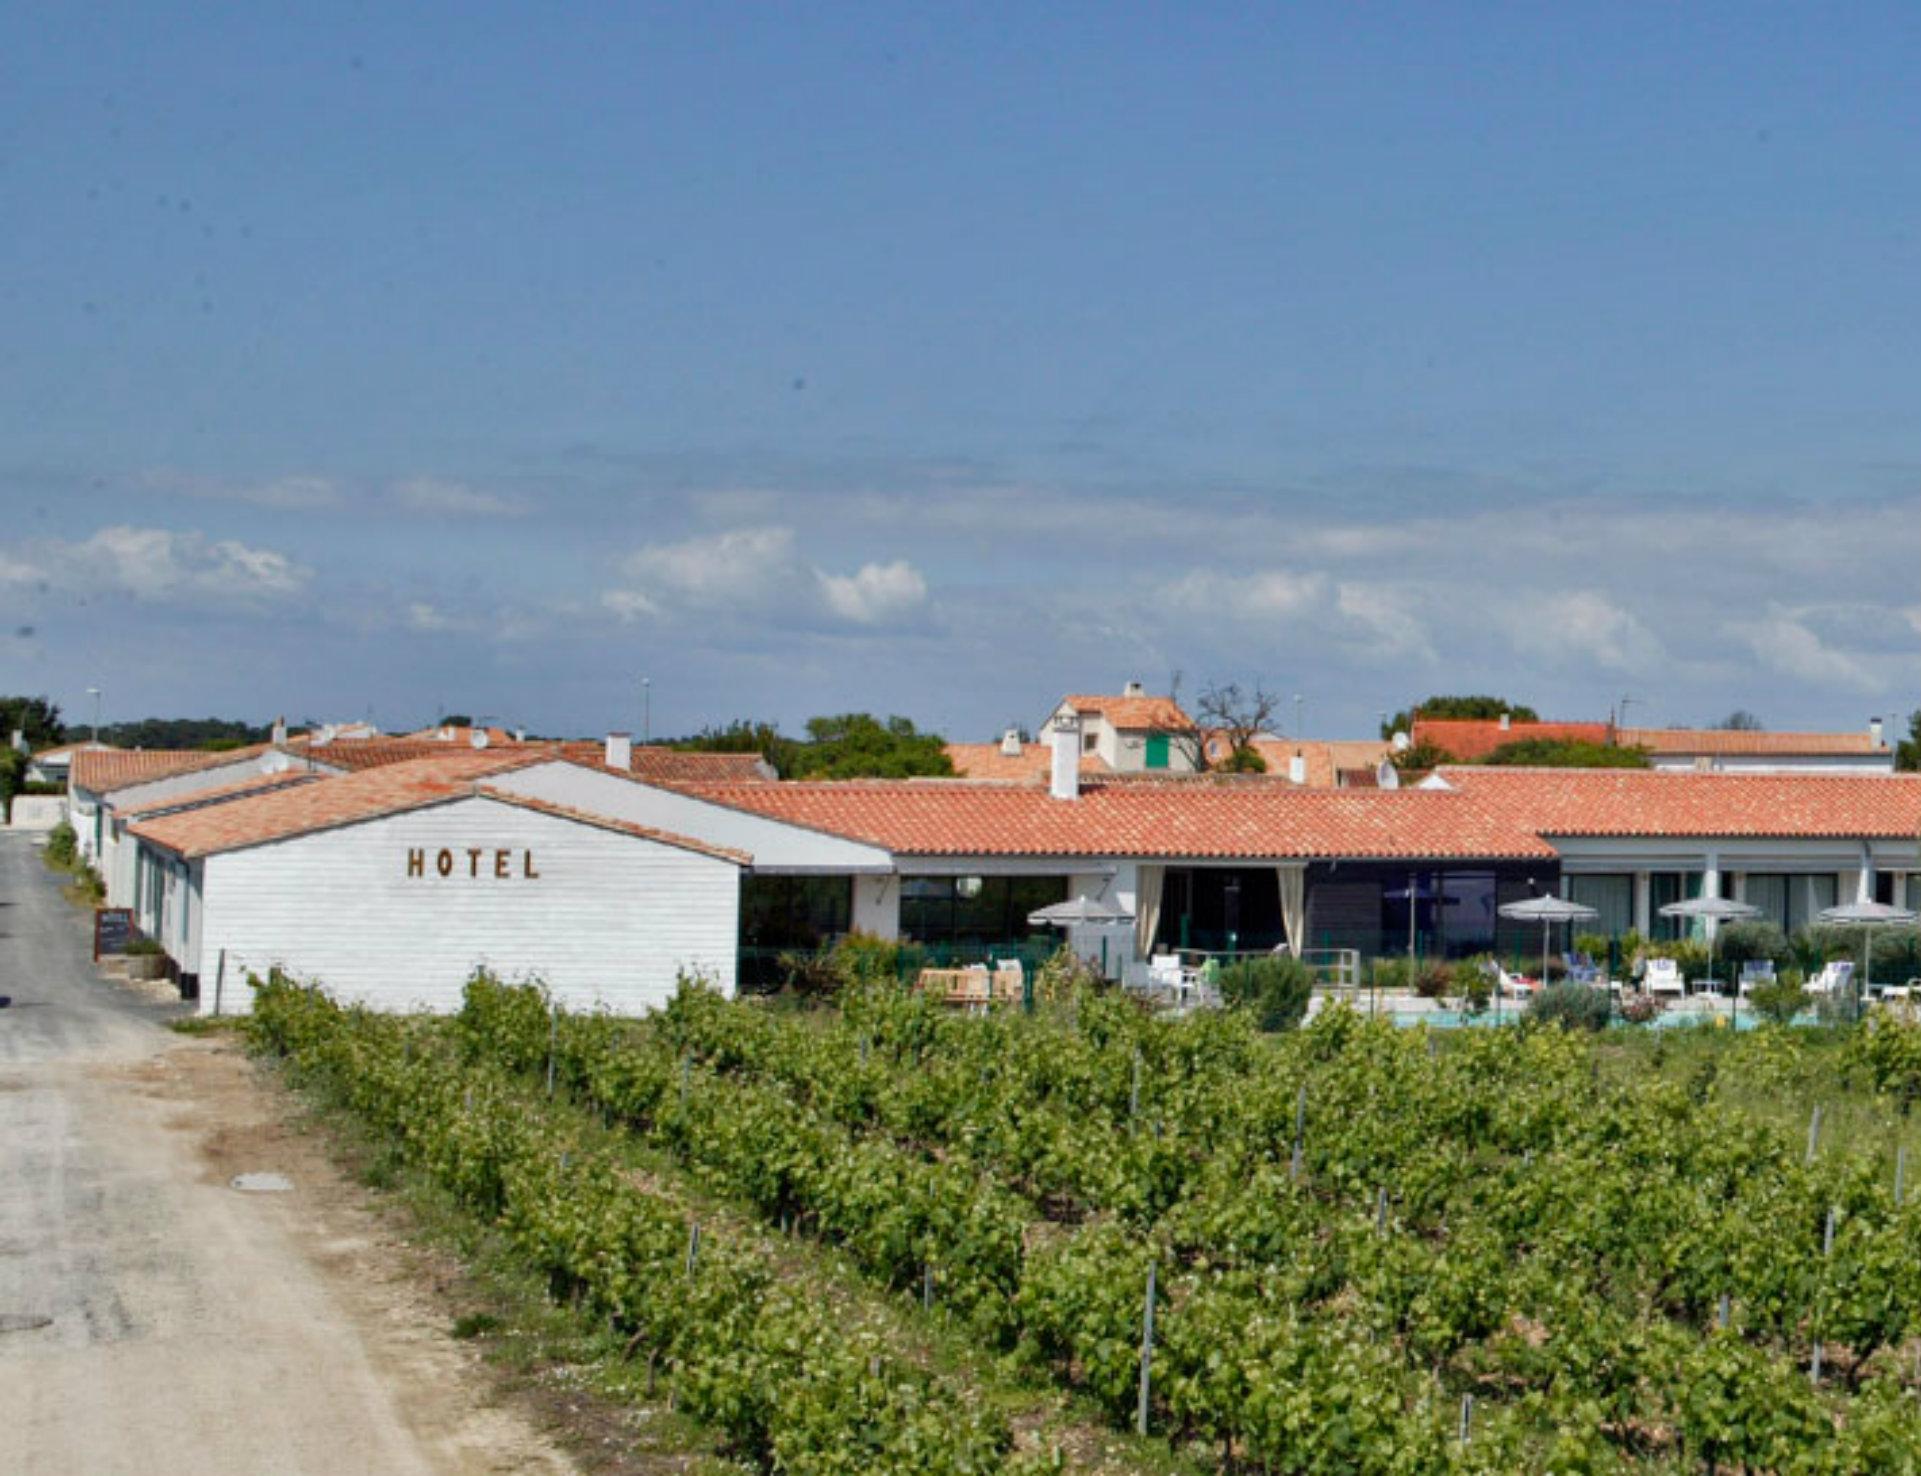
[{"x": 37, "y": 811}]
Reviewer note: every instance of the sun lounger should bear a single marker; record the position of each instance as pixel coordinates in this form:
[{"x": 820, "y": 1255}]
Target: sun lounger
[{"x": 1663, "y": 976}]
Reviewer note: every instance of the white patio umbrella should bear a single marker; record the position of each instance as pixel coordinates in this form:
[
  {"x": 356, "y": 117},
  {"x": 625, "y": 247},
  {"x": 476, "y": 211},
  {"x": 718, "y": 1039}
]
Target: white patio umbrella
[
  {"x": 1078, "y": 912},
  {"x": 1711, "y": 909},
  {"x": 1868, "y": 916},
  {"x": 1081, "y": 912},
  {"x": 1548, "y": 910}
]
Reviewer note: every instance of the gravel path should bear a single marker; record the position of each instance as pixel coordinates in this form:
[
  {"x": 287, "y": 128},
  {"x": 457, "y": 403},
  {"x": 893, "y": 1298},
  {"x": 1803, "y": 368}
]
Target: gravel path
[{"x": 155, "y": 1320}]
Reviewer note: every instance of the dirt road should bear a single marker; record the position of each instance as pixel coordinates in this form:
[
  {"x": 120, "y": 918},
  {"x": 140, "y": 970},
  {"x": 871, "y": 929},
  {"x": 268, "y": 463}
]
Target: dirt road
[{"x": 162, "y": 1321}]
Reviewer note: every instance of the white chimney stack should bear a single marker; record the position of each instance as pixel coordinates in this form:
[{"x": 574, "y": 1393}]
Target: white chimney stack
[
  {"x": 620, "y": 751},
  {"x": 1297, "y": 768},
  {"x": 1134, "y": 689},
  {"x": 279, "y": 730},
  {"x": 1011, "y": 743},
  {"x": 1065, "y": 735},
  {"x": 1507, "y": 722},
  {"x": 1874, "y": 731}
]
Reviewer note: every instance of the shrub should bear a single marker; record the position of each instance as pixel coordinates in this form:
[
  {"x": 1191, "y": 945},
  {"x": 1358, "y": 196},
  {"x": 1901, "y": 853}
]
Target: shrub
[
  {"x": 1065, "y": 974},
  {"x": 1744, "y": 942},
  {"x": 1390, "y": 973},
  {"x": 1890, "y": 1048},
  {"x": 1781, "y": 1000},
  {"x": 63, "y": 847},
  {"x": 1433, "y": 979},
  {"x": 812, "y": 975},
  {"x": 1691, "y": 954},
  {"x": 1640, "y": 1009},
  {"x": 1474, "y": 982},
  {"x": 1274, "y": 989},
  {"x": 864, "y": 958},
  {"x": 1571, "y": 1006},
  {"x": 144, "y": 948}
]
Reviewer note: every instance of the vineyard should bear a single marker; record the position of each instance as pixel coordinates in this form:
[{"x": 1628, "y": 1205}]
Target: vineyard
[{"x": 1350, "y": 1248}]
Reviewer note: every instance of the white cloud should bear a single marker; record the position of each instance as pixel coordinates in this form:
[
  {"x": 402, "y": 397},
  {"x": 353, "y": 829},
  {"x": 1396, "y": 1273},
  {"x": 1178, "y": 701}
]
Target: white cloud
[
  {"x": 445, "y": 498},
  {"x": 875, "y": 593},
  {"x": 1273, "y": 593},
  {"x": 1579, "y": 626},
  {"x": 430, "y": 619},
  {"x": 158, "y": 564},
  {"x": 760, "y": 571},
  {"x": 1783, "y": 640},
  {"x": 1385, "y": 616},
  {"x": 738, "y": 568}
]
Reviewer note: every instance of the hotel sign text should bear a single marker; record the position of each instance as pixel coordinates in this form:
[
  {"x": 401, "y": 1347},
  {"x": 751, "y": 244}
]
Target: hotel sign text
[{"x": 476, "y": 861}]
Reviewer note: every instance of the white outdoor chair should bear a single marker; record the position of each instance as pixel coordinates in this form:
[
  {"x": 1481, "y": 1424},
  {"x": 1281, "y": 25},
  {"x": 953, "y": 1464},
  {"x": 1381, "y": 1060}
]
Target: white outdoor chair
[
  {"x": 1833, "y": 979},
  {"x": 1663, "y": 976},
  {"x": 1513, "y": 986},
  {"x": 1756, "y": 973}
]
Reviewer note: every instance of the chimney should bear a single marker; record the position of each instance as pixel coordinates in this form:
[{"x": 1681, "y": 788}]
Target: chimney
[
  {"x": 1011, "y": 743},
  {"x": 1507, "y": 722},
  {"x": 1134, "y": 689},
  {"x": 1874, "y": 731},
  {"x": 279, "y": 730},
  {"x": 20, "y": 740},
  {"x": 1297, "y": 768},
  {"x": 620, "y": 751},
  {"x": 1065, "y": 735}
]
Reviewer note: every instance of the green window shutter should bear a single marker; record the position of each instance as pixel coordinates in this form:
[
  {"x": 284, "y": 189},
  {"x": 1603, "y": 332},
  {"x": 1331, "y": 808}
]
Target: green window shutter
[{"x": 1157, "y": 750}]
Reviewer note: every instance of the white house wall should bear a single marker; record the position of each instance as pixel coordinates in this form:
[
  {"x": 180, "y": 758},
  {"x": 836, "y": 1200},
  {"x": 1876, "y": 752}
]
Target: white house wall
[
  {"x": 775, "y": 847},
  {"x": 604, "y": 919}
]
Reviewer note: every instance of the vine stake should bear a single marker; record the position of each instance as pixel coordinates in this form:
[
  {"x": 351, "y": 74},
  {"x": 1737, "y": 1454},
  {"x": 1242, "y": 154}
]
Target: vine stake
[
  {"x": 1147, "y": 1354},
  {"x": 1814, "y": 1132},
  {"x": 1467, "y": 1418},
  {"x": 693, "y": 1245}
]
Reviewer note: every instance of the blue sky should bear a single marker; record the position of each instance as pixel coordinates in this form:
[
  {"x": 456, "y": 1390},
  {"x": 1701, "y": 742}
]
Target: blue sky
[{"x": 941, "y": 360}]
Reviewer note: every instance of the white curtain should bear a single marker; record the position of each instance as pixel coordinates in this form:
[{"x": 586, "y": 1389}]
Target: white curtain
[
  {"x": 1147, "y": 909},
  {"x": 1293, "y": 905}
]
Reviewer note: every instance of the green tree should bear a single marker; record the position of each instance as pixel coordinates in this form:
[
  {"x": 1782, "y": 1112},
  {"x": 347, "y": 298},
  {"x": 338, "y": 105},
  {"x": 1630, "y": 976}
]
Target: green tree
[
  {"x": 1567, "y": 753},
  {"x": 1907, "y": 753},
  {"x": 1741, "y": 721},
  {"x": 38, "y": 718},
  {"x": 1482, "y": 707},
  {"x": 857, "y": 745},
  {"x": 182, "y": 733},
  {"x": 742, "y": 735}
]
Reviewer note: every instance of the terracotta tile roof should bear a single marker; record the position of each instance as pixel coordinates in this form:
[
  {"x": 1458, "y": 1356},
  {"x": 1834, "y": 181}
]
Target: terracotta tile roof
[
  {"x": 1254, "y": 819},
  {"x": 1644, "y": 802},
  {"x": 1736, "y": 741},
  {"x": 1034, "y": 764},
  {"x": 1327, "y": 759},
  {"x": 104, "y": 770},
  {"x": 656, "y": 765},
  {"x": 255, "y": 783},
  {"x": 355, "y": 754},
  {"x": 608, "y": 822},
  {"x": 1468, "y": 739},
  {"x": 1132, "y": 712},
  {"x": 343, "y": 799},
  {"x": 452, "y": 733}
]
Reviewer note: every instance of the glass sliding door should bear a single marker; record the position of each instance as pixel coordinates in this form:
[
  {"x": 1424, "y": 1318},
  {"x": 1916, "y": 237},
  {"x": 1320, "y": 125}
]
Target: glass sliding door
[
  {"x": 1611, "y": 896},
  {"x": 1769, "y": 892}
]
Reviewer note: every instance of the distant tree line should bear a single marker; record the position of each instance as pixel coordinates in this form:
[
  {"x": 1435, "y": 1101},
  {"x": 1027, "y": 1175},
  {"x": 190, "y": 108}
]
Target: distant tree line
[{"x": 849, "y": 745}]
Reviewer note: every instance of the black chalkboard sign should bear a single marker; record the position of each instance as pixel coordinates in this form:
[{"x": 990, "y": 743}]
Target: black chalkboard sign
[{"x": 112, "y": 930}]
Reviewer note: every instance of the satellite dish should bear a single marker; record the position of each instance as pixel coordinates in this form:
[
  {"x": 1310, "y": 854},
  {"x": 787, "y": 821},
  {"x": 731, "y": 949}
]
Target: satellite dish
[{"x": 480, "y": 738}]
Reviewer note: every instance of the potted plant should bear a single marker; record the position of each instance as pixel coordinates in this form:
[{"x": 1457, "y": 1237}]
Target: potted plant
[{"x": 146, "y": 959}]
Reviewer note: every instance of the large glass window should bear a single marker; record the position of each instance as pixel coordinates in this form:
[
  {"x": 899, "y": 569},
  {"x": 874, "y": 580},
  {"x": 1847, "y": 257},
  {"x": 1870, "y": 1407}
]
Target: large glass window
[
  {"x": 1808, "y": 897},
  {"x": 1770, "y": 894},
  {"x": 1665, "y": 887},
  {"x": 975, "y": 909},
  {"x": 1612, "y": 898},
  {"x": 794, "y": 912},
  {"x": 1221, "y": 909},
  {"x": 1467, "y": 912}
]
